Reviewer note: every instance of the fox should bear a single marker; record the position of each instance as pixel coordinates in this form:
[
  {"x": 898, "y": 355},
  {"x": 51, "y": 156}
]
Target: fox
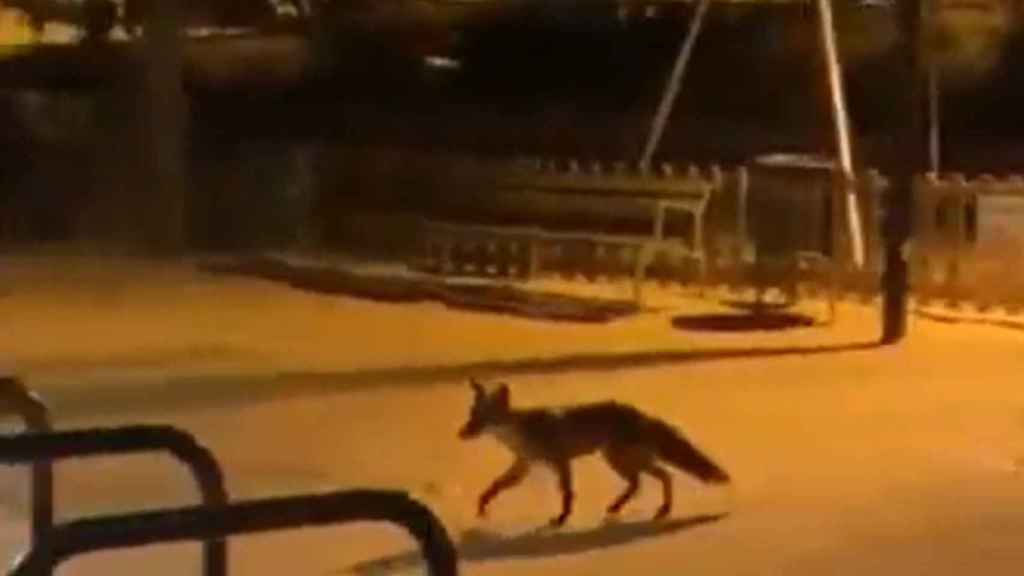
[{"x": 631, "y": 442}]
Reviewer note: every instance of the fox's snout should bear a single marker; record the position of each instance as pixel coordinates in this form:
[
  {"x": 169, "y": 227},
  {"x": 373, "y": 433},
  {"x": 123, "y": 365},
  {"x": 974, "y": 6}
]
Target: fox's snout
[{"x": 720, "y": 477}]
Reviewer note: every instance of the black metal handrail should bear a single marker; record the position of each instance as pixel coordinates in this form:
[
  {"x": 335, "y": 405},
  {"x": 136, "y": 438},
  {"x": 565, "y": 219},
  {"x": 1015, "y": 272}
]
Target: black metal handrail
[
  {"x": 217, "y": 522},
  {"x": 17, "y": 399},
  {"x": 45, "y": 447}
]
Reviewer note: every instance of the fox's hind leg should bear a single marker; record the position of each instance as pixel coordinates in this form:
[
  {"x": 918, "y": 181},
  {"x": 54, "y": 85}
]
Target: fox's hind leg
[
  {"x": 564, "y": 471},
  {"x": 666, "y": 487},
  {"x": 626, "y": 467}
]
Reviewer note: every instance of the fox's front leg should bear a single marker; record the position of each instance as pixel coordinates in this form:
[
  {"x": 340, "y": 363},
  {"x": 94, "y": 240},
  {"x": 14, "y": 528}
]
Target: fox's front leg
[{"x": 514, "y": 475}]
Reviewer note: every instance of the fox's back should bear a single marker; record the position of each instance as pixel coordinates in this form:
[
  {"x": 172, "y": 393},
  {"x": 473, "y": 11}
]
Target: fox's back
[{"x": 558, "y": 433}]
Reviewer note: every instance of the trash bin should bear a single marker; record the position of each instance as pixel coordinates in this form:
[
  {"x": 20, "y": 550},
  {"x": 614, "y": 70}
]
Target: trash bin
[{"x": 790, "y": 206}]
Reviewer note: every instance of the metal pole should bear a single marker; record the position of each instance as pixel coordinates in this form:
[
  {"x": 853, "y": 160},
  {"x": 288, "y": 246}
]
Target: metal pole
[
  {"x": 18, "y": 399},
  {"x": 934, "y": 94},
  {"x": 840, "y": 119},
  {"x": 668, "y": 98},
  {"x": 934, "y": 120},
  {"x": 166, "y": 122},
  {"x": 909, "y": 161}
]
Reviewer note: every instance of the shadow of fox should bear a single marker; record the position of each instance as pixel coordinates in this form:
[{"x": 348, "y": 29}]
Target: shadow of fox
[{"x": 479, "y": 545}]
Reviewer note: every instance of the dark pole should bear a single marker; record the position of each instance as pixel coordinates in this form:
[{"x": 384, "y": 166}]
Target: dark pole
[
  {"x": 16, "y": 397},
  {"x": 166, "y": 124},
  {"x": 675, "y": 80},
  {"x": 912, "y": 144}
]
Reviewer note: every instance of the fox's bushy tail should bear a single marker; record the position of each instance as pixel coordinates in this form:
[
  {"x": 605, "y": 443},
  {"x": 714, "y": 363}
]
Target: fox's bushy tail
[{"x": 675, "y": 449}]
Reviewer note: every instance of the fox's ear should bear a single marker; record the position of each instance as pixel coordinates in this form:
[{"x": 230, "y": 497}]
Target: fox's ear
[
  {"x": 501, "y": 396},
  {"x": 477, "y": 388}
]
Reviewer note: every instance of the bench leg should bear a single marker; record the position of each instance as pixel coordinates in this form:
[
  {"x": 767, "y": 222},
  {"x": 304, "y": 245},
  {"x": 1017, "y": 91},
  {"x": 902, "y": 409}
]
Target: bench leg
[
  {"x": 639, "y": 275},
  {"x": 702, "y": 275},
  {"x": 832, "y": 285},
  {"x": 533, "y": 268}
]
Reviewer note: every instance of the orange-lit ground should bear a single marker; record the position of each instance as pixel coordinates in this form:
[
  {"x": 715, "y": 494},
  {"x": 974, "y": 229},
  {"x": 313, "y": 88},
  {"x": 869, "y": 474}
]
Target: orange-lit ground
[{"x": 879, "y": 461}]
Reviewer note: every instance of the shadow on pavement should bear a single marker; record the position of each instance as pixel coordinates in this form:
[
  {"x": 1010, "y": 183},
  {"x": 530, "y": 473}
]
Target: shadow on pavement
[
  {"x": 479, "y": 545},
  {"x": 199, "y": 392}
]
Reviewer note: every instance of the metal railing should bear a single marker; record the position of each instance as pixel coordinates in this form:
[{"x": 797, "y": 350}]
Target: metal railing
[
  {"x": 16, "y": 398},
  {"x": 37, "y": 448},
  {"x": 213, "y": 523}
]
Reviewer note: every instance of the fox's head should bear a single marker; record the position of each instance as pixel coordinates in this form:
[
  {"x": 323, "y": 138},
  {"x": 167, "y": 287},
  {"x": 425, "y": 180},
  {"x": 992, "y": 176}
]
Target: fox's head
[{"x": 488, "y": 410}]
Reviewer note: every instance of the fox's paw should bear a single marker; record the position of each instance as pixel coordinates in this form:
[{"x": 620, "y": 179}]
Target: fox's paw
[
  {"x": 662, "y": 513},
  {"x": 612, "y": 519},
  {"x": 481, "y": 510},
  {"x": 559, "y": 521}
]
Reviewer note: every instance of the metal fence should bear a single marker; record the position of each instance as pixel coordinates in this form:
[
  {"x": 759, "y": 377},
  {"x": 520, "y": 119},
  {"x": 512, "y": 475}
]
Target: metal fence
[
  {"x": 969, "y": 241},
  {"x": 750, "y": 226},
  {"x": 757, "y": 226}
]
